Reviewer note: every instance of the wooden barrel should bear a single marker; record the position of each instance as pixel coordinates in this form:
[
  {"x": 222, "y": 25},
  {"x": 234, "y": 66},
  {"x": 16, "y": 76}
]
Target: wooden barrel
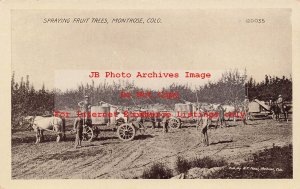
[
  {"x": 113, "y": 118},
  {"x": 183, "y": 108},
  {"x": 102, "y": 119}
]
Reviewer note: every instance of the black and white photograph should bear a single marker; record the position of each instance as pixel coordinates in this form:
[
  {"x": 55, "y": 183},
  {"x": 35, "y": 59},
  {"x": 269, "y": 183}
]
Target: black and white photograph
[{"x": 198, "y": 94}]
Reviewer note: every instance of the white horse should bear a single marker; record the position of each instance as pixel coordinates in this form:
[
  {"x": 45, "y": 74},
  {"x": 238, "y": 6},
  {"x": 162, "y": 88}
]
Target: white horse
[{"x": 40, "y": 124}]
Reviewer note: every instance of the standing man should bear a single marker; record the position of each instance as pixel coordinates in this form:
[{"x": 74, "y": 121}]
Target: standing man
[
  {"x": 79, "y": 122},
  {"x": 221, "y": 118}
]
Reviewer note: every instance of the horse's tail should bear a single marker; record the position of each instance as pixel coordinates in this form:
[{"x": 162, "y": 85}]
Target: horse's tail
[{"x": 60, "y": 124}]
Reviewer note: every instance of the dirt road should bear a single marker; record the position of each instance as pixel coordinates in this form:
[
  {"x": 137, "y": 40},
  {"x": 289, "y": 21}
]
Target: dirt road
[{"x": 109, "y": 157}]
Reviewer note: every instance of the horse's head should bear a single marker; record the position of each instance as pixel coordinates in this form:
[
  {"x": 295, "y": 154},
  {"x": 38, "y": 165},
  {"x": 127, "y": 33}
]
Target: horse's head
[{"x": 27, "y": 122}]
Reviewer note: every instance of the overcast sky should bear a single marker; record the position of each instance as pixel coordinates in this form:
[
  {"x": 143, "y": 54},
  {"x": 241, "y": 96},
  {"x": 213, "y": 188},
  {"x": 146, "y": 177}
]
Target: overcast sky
[{"x": 187, "y": 40}]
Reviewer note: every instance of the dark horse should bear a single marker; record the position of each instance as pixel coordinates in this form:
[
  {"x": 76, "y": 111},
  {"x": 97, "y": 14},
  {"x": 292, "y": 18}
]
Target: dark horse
[{"x": 277, "y": 110}]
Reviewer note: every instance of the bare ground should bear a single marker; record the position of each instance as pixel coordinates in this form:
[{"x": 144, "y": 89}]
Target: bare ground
[{"x": 109, "y": 157}]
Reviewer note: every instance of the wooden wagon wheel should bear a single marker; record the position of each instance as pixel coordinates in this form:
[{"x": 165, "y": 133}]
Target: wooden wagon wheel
[
  {"x": 88, "y": 134},
  {"x": 174, "y": 123},
  {"x": 142, "y": 128},
  {"x": 139, "y": 126},
  {"x": 126, "y": 132}
]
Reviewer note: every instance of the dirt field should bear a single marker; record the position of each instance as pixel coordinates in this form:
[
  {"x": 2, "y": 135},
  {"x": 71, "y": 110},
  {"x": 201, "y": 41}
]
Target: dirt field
[{"x": 109, "y": 157}]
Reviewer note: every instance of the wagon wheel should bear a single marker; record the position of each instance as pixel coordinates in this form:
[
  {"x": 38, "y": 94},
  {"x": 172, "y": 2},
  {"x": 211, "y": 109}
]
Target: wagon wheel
[
  {"x": 174, "y": 123},
  {"x": 142, "y": 128},
  {"x": 126, "y": 132},
  {"x": 88, "y": 134},
  {"x": 139, "y": 126}
]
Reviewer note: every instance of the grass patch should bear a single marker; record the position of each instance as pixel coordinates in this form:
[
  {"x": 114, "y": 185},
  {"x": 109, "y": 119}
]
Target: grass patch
[
  {"x": 183, "y": 165},
  {"x": 207, "y": 162},
  {"x": 157, "y": 171}
]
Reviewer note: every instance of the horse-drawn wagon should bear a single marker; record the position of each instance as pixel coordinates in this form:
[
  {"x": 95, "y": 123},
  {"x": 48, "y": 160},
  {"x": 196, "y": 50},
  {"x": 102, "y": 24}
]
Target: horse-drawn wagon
[
  {"x": 261, "y": 109},
  {"x": 114, "y": 118}
]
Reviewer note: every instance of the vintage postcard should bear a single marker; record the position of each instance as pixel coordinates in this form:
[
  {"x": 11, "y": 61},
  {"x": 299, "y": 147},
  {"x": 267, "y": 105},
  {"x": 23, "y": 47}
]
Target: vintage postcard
[{"x": 164, "y": 93}]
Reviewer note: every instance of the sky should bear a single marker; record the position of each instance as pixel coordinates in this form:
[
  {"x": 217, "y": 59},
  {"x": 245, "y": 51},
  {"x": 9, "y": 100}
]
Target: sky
[{"x": 62, "y": 55}]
